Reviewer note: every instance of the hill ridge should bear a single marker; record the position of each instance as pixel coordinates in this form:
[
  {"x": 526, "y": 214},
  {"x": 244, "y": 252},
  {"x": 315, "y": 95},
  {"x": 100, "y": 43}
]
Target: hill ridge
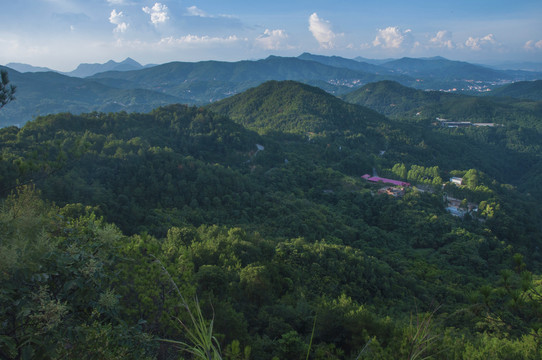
[{"x": 293, "y": 107}]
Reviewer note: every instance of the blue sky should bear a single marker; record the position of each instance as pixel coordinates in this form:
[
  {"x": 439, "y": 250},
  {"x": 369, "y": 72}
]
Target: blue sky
[{"x": 60, "y": 34}]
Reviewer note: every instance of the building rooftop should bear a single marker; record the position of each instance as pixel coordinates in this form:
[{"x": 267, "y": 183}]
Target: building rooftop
[{"x": 377, "y": 179}]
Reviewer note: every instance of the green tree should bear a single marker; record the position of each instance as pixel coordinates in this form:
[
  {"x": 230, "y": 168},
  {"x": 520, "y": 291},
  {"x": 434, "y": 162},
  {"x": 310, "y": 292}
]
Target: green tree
[
  {"x": 6, "y": 89},
  {"x": 58, "y": 297}
]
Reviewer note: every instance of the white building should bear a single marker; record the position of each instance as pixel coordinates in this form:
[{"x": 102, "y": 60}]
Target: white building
[{"x": 456, "y": 180}]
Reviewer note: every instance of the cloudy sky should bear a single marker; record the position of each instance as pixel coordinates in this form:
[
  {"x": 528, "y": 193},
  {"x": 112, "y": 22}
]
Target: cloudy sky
[{"x": 60, "y": 34}]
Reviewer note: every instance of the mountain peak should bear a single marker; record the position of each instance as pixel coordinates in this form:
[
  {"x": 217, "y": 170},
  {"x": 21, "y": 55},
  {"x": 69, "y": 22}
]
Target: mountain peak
[
  {"x": 130, "y": 61},
  {"x": 84, "y": 70},
  {"x": 293, "y": 107}
]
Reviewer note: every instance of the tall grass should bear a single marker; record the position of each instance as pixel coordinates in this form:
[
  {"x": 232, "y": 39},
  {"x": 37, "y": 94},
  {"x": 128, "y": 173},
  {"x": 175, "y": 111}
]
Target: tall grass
[
  {"x": 312, "y": 336},
  {"x": 421, "y": 336},
  {"x": 201, "y": 341}
]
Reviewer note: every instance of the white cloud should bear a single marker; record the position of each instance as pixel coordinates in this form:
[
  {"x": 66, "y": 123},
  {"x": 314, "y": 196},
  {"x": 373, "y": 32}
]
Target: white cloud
[
  {"x": 115, "y": 2},
  {"x": 478, "y": 43},
  {"x": 321, "y": 30},
  {"x": 532, "y": 45},
  {"x": 158, "y": 13},
  {"x": 116, "y": 18},
  {"x": 198, "y": 40},
  {"x": 390, "y": 38},
  {"x": 443, "y": 39},
  {"x": 171, "y": 42},
  {"x": 272, "y": 39},
  {"x": 195, "y": 11}
]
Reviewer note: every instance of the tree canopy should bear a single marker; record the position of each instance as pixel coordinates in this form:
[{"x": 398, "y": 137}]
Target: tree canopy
[
  {"x": 7, "y": 90},
  {"x": 113, "y": 225}
]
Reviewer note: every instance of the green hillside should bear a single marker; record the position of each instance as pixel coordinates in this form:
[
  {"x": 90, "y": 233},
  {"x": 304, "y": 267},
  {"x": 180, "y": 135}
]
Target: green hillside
[
  {"x": 48, "y": 93},
  {"x": 442, "y": 69},
  {"x": 400, "y": 102},
  {"x": 271, "y": 68},
  {"x": 112, "y": 225},
  {"x": 232, "y": 77},
  {"x": 438, "y": 73},
  {"x": 352, "y": 64},
  {"x": 393, "y": 99},
  {"x": 529, "y": 90},
  {"x": 293, "y": 107}
]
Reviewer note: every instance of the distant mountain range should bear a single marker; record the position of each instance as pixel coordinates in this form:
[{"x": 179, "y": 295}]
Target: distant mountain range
[
  {"x": 507, "y": 65},
  {"x": 130, "y": 86},
  {"x": 84, "y": 70},
  {"x": 27, "y": 68}
]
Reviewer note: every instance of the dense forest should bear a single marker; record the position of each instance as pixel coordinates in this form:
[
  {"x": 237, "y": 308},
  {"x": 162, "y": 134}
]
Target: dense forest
[{"x": 123, "y": 235}]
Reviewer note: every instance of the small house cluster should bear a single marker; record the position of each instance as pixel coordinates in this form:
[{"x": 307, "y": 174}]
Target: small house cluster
[{"x": 454, "y": 207}]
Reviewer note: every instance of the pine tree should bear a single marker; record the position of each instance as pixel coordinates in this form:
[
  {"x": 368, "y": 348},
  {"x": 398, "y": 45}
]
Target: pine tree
[{"x": 6, "y": 90}]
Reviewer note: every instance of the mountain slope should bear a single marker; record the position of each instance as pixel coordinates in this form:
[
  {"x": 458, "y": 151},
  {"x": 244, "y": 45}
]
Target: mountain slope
[
  {"x": 294, "y": 107},
  {"x": 442, "y": 68},
  {"x": 274, "y": 67},
  {"x": 338, "y": 61},
  {"x": 530, "y": 90},
  {"x": 27, "y": 68},
  {"x": 45, "y": 93},
  {"x": 397, "y": 101},
  {"x": 208, "y": 81}
]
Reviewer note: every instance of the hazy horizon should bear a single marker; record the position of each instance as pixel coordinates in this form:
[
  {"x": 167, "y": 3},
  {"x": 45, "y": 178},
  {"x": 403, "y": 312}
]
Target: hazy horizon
[{"x": 61, "y": 34}]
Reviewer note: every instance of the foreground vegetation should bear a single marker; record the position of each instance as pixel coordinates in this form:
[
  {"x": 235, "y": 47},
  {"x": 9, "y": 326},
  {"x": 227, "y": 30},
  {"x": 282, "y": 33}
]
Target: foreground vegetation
[{"x": 114, "y": 225}]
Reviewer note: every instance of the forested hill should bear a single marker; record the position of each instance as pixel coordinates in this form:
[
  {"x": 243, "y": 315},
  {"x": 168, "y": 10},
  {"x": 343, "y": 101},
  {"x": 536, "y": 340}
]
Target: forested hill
[
  {"x": 530, "y": 90},
  {"x": 397, "y": 101},
  {"x": 208, "y": 81},
  {"x": 442, "y": 69},
  {"x": 105, "y": 219},
  {"x": 49, "y": 92},
  {"x": 352, "y": 64},
  {"x": 289, "y": 106},
  {"x": 393, "y": 99}
]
